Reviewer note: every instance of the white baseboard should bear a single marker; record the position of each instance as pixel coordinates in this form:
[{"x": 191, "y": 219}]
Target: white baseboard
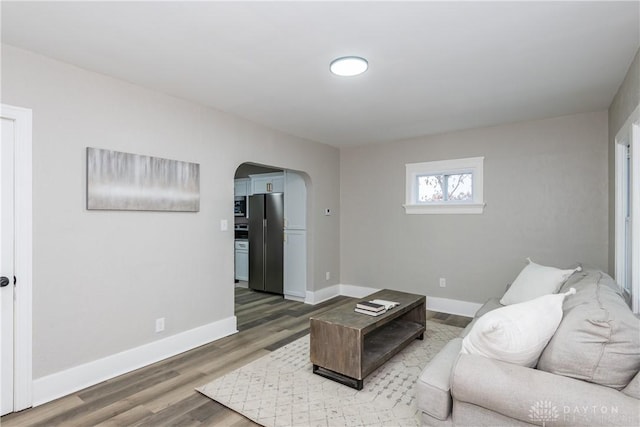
[
  {"x": 62, "y": 383},
  {"x": 321, "y": 295},
  {"x": 325, "y": 294},
  {"x": 442, "y": 305},
  {"x": 356, "y": 291},
  {"x": 452, "y": 306},
  {"x": 294, "y": 298}
]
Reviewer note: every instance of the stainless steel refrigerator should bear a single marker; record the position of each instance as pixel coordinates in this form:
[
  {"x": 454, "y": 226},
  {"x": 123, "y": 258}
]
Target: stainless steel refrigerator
[{"x": 266, "y": 242}]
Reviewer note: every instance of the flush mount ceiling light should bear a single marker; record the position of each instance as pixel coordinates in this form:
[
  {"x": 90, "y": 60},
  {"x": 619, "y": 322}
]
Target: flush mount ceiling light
[{"x": 348, "y": 66}]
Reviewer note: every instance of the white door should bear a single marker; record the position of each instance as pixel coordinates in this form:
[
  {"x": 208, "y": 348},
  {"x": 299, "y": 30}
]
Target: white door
[
  {"x": 7, "y": 264},
  {"x": 15, "y": 259}
]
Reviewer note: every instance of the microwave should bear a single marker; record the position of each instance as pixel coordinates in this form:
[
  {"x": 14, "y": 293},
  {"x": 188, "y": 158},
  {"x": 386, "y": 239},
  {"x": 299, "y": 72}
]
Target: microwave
[{"x": 240, "y": 206}]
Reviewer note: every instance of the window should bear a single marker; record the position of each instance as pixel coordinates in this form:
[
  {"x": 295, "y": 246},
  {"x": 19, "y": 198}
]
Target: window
[
  {"x": 627, "y": 236},
  {"x": 626, "y": 171},
  {"x": 431, "y": 188},
  {"x": 446, "y": 186}
]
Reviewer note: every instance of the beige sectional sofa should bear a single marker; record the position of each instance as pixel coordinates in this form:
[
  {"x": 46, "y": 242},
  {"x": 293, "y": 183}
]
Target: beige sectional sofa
[{"x": 586, "y": 375}]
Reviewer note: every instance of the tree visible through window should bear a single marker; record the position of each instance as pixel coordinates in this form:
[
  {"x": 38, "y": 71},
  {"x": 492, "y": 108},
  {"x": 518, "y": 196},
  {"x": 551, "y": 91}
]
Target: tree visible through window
[
  {"x": 459, "y": 187},
  {"x": 445, "y": 187}
]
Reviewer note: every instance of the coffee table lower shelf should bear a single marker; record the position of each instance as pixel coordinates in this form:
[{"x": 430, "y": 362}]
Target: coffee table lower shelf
[
  {"x": 384, "y": 343},
  {"x": 379, "y": 346}
]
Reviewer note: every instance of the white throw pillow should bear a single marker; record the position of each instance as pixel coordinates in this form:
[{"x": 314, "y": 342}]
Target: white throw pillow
[
  {"x": 535, "y": 280},
  {"x": 516, "y": 333}
]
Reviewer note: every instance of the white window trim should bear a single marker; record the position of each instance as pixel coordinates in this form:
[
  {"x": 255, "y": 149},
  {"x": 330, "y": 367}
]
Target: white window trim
[
  {"x": 628, "y": 134},
  {"x": 475, "y": 165}
]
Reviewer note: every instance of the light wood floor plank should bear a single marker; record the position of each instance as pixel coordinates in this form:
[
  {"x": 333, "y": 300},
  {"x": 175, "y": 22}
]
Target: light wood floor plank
[
  {"x": 126, "y": 418},
  {"x": 32, "y": 416}
]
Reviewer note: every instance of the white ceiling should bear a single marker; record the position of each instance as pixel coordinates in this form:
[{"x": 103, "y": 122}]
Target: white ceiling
[{"x": 434, "y": 66}]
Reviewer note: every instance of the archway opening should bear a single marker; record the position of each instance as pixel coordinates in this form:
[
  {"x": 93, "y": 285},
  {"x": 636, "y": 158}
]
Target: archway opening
[{"x": 270, "y": 231}]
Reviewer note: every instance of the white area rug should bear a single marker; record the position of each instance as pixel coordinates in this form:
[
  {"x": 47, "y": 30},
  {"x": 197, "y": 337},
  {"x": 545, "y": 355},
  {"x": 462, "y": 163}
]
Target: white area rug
[{"x": 280, "y": 390}]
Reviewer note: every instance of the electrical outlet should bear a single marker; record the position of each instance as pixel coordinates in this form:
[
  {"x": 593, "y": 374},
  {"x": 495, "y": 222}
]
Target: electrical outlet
[
  {"x": 327, "y": 211},
  {"x": 160, "y": 324},
  {"x": 327, "y": 275},
  {"x": 443, "y": 282}
]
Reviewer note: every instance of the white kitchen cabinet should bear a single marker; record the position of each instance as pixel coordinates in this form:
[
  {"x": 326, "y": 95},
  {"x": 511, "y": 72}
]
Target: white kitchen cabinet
[
  {"x": 241, "y": 187},
  {"x": 267, "y": 183},
  {"x": 278, "y": 184},
  {"x": 295, "y": 263},
  {"x": 295, "y": 201},
  {"x": 242, "y": 260}
]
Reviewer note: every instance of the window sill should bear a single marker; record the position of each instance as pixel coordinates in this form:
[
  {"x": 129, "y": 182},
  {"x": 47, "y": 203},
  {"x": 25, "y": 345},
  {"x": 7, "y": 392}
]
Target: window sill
[{"x": 448, "y": 208}]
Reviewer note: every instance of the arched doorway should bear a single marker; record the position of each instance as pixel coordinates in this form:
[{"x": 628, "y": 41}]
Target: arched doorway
[{"x": 286, "y": 265}]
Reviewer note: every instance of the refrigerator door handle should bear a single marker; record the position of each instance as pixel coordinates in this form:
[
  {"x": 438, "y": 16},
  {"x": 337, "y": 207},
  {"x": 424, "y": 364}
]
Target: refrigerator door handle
[{"x": 264, "y": 237}]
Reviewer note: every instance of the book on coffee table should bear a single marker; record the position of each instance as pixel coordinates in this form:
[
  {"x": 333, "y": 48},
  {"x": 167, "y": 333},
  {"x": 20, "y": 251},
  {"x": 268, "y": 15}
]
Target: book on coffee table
[
  {"x": 383, "y": 302},
  {"x": 369, "y": 312},
  {"x": 370, "y": 306}
]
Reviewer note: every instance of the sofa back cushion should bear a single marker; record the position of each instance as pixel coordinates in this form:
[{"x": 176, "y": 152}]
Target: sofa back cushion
[
  {"x": 586, "y": 278},
  {"x": 598, "y": 339}
]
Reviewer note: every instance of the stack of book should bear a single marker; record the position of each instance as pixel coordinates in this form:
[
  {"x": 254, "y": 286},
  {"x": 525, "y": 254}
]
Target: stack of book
[{"x": 375, "y": 307}]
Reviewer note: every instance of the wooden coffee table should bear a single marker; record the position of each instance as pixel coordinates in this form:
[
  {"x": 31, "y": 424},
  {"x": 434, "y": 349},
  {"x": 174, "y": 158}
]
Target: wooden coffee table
[{"x": 347, "y": 346}]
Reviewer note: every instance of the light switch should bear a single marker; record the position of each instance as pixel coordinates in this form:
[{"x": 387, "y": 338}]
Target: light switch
[{"x": 224, "y": 225}]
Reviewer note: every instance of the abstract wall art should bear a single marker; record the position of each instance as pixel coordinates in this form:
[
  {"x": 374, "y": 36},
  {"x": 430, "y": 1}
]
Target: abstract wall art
[{"x": 124, "y": 181}]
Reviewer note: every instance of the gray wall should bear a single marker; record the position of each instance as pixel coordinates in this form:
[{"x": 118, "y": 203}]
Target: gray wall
[
  {"x": 246, "y": 169},
  {"x": 101, "y": 278},
  {"x": 545, "y": 185},
  {"x": 624, "y": 103}
]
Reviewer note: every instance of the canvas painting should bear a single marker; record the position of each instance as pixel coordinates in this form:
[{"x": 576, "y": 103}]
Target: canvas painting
[{"x": 124, "y": 181}]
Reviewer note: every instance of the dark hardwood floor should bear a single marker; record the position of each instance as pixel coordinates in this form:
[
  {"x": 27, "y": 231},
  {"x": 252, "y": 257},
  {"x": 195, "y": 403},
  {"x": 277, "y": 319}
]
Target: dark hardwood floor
[{"x": 163, "y": 394}]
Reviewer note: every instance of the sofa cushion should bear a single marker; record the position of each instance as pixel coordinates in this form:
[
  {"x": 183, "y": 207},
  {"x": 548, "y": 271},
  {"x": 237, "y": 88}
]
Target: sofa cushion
[
  {"x": 585, "y": 279},
  {"x": 534, "y": 281},
  {"x": 488, "y": 306},
  {"x": 516, "y": 392},
  {"x": 633, "y": 388},
  {"x": 491, "y": 304},
  {"x": 434, "y": 397},
  {"x": 598, "y": 339},
  {"x": 516, "y": 333}
]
